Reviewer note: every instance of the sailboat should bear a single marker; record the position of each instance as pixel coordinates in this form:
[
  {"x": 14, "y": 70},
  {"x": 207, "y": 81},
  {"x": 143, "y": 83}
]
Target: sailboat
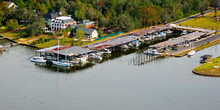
[
  {"x": 64, "y": 63},
  {"x": 192, "y": 52}
]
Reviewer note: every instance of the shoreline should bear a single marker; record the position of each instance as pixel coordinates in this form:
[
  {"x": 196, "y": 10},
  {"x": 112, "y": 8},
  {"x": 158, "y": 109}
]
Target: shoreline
[
  {"x": 208, "y": 68},
  {"x": 18, "y": 42},
  {"x": 205, "y": 74}
]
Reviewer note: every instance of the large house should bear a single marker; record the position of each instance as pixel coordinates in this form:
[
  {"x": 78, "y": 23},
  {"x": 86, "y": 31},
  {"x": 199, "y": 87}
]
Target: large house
[
  {"x": 61, "y": 22},
  {"x": 49, "y": 17},
  {"x": 89, "y": 33}
]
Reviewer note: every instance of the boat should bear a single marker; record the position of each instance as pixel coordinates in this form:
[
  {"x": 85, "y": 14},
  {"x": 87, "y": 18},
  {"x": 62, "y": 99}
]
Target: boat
[
  {"x": 64, "y": 63},
  {"x": 124, "y": 46},
  {"x": 151, "y": 52},
  {"x": 2, "y": 48},
  {"x": 106, "y": 51},
  {"x": 38, "y": 60},
  {"x": 192, "y": 52},
  {"x": 95, "y": 56},
  {"x": 206, "y": 58},
  {"x": 168, "y": 32}
]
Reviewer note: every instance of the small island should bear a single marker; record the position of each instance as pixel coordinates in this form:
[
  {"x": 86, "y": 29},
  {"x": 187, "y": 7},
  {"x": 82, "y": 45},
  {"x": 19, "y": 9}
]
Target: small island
[{"x": 211, "y": 68}]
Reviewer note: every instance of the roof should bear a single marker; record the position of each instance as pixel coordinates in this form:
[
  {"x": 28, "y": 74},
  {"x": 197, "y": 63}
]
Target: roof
[
  {"x": 180, "y": 39},
  {"x": 86, "y": 30},
  {"x": 71, "y": 26},
  {"x": 74, "y": 51},
  {"x": 114, "y": 42},
  {"x": 50, "y": 49},
  {"x": 206, "y": 56},
  {"x": 50, "y": 15},
  {"x": 192, "y": 36}
]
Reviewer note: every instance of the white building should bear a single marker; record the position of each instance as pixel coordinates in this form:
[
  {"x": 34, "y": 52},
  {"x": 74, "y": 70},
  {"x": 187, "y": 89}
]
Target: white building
[{"x": 61, "y": 22}]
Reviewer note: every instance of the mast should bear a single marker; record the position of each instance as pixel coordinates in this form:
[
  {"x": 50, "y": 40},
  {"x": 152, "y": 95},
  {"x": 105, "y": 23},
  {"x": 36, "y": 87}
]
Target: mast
[{"x": 58, "y": 50}]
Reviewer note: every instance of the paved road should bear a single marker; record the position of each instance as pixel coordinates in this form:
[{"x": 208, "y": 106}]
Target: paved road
[
  {"x": 195, "y": 44},
  {"x": 191, "y": 17}
]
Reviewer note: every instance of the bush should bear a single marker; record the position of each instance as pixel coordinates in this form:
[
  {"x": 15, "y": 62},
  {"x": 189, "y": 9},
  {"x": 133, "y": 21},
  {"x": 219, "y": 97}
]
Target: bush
[{"x": 12, "y": 24}]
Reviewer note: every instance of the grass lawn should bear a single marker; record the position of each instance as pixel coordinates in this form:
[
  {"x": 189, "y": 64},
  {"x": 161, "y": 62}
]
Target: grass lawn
[
  {"x": 62, "y": 41},
  {"x": 11, "y": 35},
  {"x": 207, "y": 22},
  {"x": 208, "y": 68}
]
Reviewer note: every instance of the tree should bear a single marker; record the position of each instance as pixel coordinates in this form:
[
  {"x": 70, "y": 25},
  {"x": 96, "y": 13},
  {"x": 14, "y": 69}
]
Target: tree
[
  {"x": 203, "y": 6},
  {"x": 36, "y": 28},
  {"x": 100, "y": 32},
  {"x": 62, "y": 11},
  {"x": 215, "y": 4},
  {"x": 79, "y": 15},
  {"x": 12, "y": 24},
  {"x": 80, "y": 35}
]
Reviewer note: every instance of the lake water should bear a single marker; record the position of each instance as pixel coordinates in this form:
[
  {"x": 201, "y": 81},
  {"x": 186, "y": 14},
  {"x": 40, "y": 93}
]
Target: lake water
[{"x": 164, "y": 84}]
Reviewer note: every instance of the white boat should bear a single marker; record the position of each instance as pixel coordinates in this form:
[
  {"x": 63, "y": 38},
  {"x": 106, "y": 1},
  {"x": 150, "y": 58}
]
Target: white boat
[
  {"x": 2, "y": 48},
  {"x": 62, "y": 63},
  {"x": 168, "y": 32},
  {"x": 38, "y": 60},
  {"x": 95, "y": 56},
  {"x": 151, "y": 52},
  {"x": 191, "y": 53}
]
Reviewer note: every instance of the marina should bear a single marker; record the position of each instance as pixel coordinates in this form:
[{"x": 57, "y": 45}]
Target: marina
[
  {"x": 111, "y": 84},
  {"x": 71, "y": 55}
]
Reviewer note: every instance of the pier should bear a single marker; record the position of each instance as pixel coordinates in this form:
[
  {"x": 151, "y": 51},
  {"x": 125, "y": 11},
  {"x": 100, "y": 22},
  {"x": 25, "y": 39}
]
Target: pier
[{"x": 142, "y": 59}]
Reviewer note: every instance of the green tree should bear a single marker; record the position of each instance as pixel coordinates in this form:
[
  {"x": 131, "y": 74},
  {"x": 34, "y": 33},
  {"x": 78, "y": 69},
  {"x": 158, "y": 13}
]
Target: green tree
[
  {"x": 215, "y": 4},
  {"x": 36, "y": 28},
  {"x": 79, "y": 15},
  {"x": 203, "y": 6},
  {"x": 20, "y": 3},
  {"x": 12, "y": 24},
  {"x": 100, "y": 32},
  {"x": 62, "y": 11},
  {"x": 80, "y": 35}
]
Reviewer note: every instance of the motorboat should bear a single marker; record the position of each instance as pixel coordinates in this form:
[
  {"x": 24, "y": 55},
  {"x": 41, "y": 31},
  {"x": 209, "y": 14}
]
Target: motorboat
[
  {"x": 38, "y": 60},
  {"x": 106, "y": 51},
  {"x": 124, "y": 46},
  {"x": 75, "y": 61},
  {"x": 95, "y": 56},
  {"x": 2, "y": 48},
  {"x": 64, "y": 63},
  {"x": 151, "y": 52}
]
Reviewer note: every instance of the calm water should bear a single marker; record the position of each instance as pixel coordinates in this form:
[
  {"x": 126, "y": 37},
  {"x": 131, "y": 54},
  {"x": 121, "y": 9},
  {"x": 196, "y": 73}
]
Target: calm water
[{"x": 165, "y": 84}]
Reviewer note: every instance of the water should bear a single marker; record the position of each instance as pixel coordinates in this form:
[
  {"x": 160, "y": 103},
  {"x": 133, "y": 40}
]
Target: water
[{"x": 164, "y": 84}]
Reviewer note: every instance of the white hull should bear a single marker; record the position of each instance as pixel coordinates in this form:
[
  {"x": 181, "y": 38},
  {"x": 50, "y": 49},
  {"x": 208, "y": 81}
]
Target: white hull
[
  {"x": 65, "y": 64},
  {"x": 191, "y": 53},
  {"x": 38, "y": 60},
  {"x": 151, "y": 52}
]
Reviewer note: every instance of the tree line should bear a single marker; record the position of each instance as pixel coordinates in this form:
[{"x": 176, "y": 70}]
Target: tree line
[{"x": 116, "y": 15}]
